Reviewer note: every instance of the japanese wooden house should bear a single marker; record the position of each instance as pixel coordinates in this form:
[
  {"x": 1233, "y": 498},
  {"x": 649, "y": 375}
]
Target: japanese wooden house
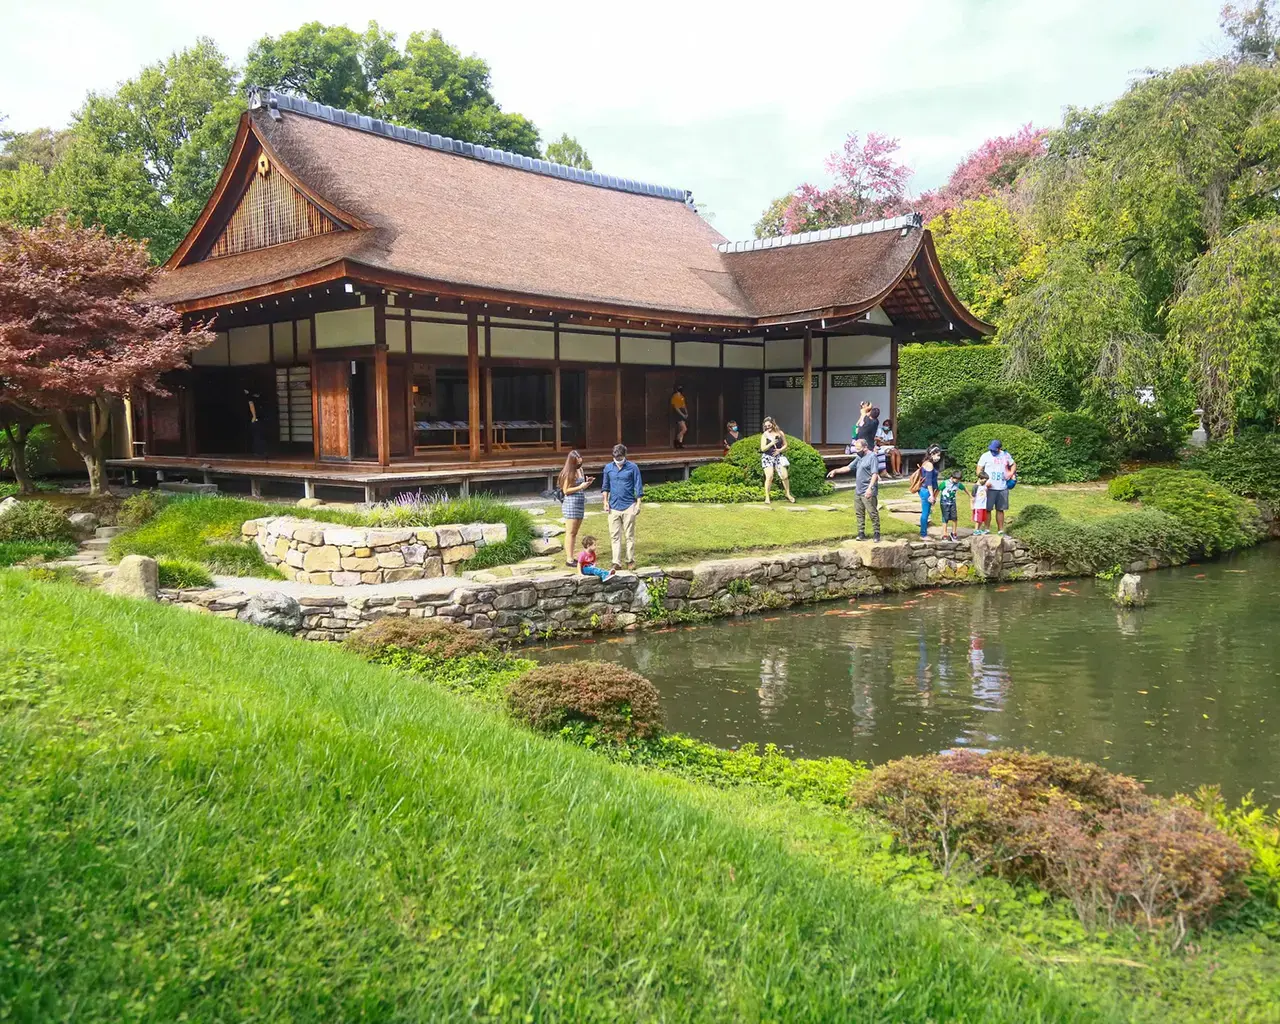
[{"x": 402, "y": 308}]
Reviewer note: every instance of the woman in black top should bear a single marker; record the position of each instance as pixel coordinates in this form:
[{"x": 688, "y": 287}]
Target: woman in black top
[{"x": 867, "y": 425}]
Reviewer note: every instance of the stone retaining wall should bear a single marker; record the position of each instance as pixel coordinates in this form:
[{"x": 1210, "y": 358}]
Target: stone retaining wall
[
  {"x": 344, "y": 556},
  {"x": 564, "y": 604}
]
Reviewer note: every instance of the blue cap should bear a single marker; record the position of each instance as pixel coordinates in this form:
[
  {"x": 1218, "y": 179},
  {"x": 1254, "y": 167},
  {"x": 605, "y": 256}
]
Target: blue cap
[{"x": 994, "y": 446}]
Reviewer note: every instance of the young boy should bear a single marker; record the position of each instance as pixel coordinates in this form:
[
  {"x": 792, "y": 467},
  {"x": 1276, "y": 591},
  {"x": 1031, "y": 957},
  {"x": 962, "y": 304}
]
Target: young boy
[
  {"x": 587, "y": 560},
  {"x": 950, "y": 516},
  {"x": 980, "y": 504}
]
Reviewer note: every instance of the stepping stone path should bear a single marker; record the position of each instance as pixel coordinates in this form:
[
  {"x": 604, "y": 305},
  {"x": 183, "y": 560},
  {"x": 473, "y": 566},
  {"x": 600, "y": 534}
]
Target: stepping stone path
[{"x": 91, "y": 559}]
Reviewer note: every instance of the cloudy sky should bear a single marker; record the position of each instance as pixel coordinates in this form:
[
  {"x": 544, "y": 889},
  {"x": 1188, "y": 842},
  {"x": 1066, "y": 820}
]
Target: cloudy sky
[{"x": 739, "y": 102}]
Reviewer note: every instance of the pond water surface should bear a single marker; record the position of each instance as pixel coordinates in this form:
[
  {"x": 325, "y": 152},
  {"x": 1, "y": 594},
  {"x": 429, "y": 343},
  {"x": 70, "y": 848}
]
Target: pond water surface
[{"x": 1179, "y": 693}]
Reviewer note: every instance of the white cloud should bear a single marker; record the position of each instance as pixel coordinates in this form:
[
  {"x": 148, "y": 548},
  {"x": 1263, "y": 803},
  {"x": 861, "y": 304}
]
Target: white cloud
[{"x": 737, "y": 102}]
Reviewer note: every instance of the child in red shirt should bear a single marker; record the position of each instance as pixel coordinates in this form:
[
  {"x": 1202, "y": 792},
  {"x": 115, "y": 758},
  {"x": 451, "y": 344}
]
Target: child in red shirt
[{"x": 587, "y": 560}]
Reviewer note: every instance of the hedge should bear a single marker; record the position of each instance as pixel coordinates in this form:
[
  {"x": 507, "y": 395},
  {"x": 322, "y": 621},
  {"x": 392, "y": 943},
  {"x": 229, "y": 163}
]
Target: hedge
[
  {"x": 691, "y": 490},
  {"x": 1217, "y": 519},
  {"x": 925, "y": 371},
  {"x": 1036, "y": 464},
  {"x": 937, "y": 418},
  {"x": 1090, "y": 547},
  {"x": 1081, "y": 447},
  {"x": 1244, "y": 465},
  {"x": 808, "y": 471}
]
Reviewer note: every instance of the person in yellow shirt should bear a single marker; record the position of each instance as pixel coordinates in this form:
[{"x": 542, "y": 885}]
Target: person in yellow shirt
[{"x": 680, "y": 414}]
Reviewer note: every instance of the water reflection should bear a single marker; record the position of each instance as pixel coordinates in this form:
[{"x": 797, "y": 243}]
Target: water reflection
[{"x": 1179, "y": 692}]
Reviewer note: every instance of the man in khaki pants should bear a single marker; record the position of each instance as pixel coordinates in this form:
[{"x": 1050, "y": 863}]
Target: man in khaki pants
[{"x": 622, "y": 490}]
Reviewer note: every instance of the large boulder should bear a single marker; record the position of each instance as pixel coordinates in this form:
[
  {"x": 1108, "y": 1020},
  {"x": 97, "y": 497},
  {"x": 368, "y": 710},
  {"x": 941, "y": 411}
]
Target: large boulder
[
  {"x": 881, "y": 554},
  {"x": 85, "y": 524},
  {"x": 1130, "y": 592},
  {"x": 272, "y": 610},
  {"x": 988, "y": 555},
  {"x": 135, "y": 576},
  {"x": 8, "y": 505}
]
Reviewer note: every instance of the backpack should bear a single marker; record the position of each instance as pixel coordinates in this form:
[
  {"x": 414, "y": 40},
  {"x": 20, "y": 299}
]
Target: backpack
[{"x": 916, "y": 481}]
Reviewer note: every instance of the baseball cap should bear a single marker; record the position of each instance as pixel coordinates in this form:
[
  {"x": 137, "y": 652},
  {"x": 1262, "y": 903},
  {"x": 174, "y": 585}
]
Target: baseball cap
[{"x": 995, "y": 446}]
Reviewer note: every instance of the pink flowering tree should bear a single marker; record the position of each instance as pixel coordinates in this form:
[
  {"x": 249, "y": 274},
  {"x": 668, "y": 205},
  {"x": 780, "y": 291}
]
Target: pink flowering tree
[
  {"x": 870, "y": 182},
  {"x": 990, "y": 169}
]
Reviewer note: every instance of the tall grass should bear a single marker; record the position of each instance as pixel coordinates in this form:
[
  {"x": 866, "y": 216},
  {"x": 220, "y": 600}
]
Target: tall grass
[{"x": 204, "y": 820}]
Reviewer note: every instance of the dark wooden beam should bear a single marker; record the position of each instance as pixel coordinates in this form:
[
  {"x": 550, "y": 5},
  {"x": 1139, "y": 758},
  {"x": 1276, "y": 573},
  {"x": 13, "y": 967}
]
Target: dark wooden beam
[
  {"x": 473, "y": 386},
  {"x": 808, "y": 385},
  {"x": 555, "y": 383},
  {"x": 381, "y": 385}
]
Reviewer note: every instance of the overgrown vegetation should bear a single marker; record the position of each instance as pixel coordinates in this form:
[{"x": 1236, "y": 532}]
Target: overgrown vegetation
[
  {"x": 1245, "y": 464},
  {"x": 1092, "y": 837},
  {"x": 141, "y": 508},
  {"x": 1079, "y": 447},
  {"x": 621, "y": 704},
  {"x": 1216, "y": 518},
  {"x": 35, "y": 522},
  {"x": 178, "y": 574},
  {"x": 14, "y": 551},
  {"x": 937, "y": 417},
  {"x": 1085, "y": 547}
]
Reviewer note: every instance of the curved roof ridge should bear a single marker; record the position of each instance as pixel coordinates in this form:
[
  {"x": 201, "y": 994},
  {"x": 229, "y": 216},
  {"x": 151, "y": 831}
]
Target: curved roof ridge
[
  {"x": 907, "y": 221},
  {"x": 275, "y": 102}
]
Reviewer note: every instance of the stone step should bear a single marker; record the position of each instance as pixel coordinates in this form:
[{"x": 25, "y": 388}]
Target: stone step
[
  {"x": 108, "y": 532},
  {"x": 96, "y": 544}
]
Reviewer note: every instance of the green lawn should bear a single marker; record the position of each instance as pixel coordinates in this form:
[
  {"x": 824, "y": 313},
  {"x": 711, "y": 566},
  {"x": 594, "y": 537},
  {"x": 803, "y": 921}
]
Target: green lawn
[
  {"x": 203, "y": 819},
  {"x": 675, "y": 534},
  {"x": 14, "y": 551}
]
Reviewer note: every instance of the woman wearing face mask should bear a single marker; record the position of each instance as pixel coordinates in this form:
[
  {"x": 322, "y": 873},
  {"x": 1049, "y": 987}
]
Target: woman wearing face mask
[
  {"x": 773, "y": 442},
  {"x": 573, "y": 483}
]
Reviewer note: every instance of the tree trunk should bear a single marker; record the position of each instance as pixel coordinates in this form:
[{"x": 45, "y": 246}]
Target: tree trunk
[
  {"x": 16, "y": 438},
  {"x": 88, "y": 442}
]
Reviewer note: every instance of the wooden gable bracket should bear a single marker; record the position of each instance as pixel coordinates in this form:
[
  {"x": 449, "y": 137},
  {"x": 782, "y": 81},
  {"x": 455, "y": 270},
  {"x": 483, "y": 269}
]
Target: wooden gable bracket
[{"x": 257, "y": 203}]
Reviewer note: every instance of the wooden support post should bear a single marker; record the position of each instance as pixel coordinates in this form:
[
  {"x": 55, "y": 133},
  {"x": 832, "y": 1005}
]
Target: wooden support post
[
  {"x": 826, "y": 387},
  {"x": 308, "y": 488},
  {"x": 370, "y": 494},
  {"x": 473, "y": 387},
  {"x": 381, "y": 389},
  {"x": 555, "y": 374},
  {"x": 488, "y": 409},
  {"x": 255, "y": 487},
  {"x": 808, "y": 385},
  {"x": 617, "y": 381}
]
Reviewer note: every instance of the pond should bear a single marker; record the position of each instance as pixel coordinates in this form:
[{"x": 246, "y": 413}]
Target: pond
[{"x": 1179, "y": 693}]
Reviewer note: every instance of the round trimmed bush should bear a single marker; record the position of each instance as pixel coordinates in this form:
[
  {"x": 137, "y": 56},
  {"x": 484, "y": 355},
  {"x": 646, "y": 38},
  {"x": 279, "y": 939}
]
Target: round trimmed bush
[
  {"x": 808, "y": 471},
  {"x": 35, "y": 521},
  {"x": 718, "y": 473},
  {"x": 428, "y": 638},
  {"x": 1036, "y": 464},
  {"x": 939, "y": 417},
  {"x": 1081, "y": 448},
  {"x": 623, "y": 704}
]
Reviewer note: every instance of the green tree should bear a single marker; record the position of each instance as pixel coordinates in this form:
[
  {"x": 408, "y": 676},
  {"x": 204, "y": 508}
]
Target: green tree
[
  {"x": 42, "y": 147},
  {"x": 568, "y": 151},
  {"x": 1151, "y": 182},
  {"x": 988, "y": 253},
  {"x": 1253, "y": 29},
  {"x": 772, "y": 223},
  {"x": 176, "y": 120},
  {"x": 1226, "y": 325},
  {"x": 429, "y": 85}
]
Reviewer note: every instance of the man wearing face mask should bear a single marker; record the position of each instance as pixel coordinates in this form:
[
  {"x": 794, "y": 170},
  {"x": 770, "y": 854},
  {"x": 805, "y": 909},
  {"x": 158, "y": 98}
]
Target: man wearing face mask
[{"x": 622, "y": 489}]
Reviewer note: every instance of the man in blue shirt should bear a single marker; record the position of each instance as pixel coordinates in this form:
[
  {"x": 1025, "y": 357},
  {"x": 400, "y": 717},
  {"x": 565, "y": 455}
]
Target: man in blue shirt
[{"x": 622, "y": 490}]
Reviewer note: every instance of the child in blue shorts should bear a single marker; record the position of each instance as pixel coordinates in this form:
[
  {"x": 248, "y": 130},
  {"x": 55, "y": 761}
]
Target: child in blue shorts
[{"x": 950, "y": 516}]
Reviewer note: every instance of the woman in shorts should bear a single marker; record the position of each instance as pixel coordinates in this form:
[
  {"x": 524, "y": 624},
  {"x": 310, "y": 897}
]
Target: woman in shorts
[
  {"x": 773, "y": 442},
  {"x": 573, "y": 483}
]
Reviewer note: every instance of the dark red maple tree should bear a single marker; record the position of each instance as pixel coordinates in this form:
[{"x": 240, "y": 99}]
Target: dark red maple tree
[{"x": 77, "y": 332}]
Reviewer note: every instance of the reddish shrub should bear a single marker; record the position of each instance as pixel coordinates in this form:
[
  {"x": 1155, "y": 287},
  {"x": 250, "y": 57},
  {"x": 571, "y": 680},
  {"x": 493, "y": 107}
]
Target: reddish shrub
[
  {"x": 1080, "y": 831},
  {"x": 427, "y": 638},
  {"x": 622, "y": 703}
]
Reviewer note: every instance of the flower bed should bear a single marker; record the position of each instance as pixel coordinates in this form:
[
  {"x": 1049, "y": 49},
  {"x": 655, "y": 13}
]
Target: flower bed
[{"x": 344, "y": 556}]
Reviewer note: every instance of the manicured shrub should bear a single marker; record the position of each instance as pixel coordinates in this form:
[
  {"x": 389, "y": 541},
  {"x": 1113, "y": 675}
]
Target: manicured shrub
[
  {"x": 1090, "y": 547},
  {"x": 1080, "y": 446},
  {"x": 718, "y": 473},
  {"x": 179, "y": 574},
  {"x": 1078, "y": 830},
  {"x": 141, "y": 508},
  {"x": 1217, "y": 519},
  {"x": 1036, "y": 464},
  {"x": 927, "y": 370},
  {"x": 431, "y": 639},
  {"x": 937, "y": 418},
  {"x": 1244, "y": 465},
  {"x": 35, "y": 521},
  {"x": 808, "y": 471},
  {"x": 688, "y": 490},
  {"x": 620, "y": 703}
]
